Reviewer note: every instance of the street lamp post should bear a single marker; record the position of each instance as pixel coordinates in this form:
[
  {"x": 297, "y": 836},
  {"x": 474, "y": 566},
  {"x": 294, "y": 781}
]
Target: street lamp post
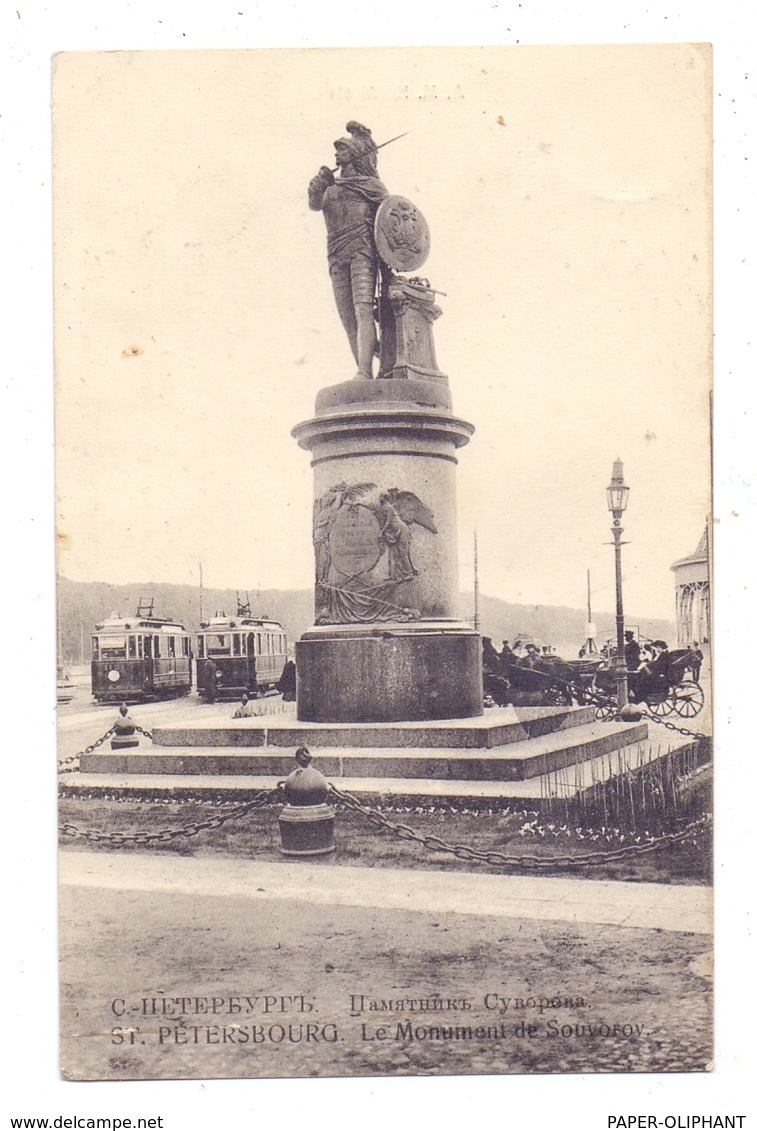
[{"x": 617, "y": 501}]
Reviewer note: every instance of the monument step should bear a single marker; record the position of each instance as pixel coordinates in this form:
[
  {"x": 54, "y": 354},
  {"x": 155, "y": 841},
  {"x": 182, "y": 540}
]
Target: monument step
[
  {"x": 375, "y": 790},
  {"x": 496, "y": 727},
  {"x": 514, "y": 761}
]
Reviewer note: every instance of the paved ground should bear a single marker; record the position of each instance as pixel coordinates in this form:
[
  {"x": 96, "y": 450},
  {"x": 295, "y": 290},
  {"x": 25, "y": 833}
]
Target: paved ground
[
  {"x": 549, "y": 899},
  {"x": 175, "y": 967}
]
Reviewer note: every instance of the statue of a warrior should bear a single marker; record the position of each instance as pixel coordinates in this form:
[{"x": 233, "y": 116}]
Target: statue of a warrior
[{"x": 349, "y": 205}]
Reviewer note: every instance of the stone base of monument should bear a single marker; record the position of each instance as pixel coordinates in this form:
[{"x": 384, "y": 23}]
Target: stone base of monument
[
  {"x": 389, "y": 673},
  {"x": 522, "y": 775},
  {"x": 307, "y": 830},
  {"x": 124, "y": 741},
  {"x": 510, "y": 756},
  {"x": 503, "y": 728}
]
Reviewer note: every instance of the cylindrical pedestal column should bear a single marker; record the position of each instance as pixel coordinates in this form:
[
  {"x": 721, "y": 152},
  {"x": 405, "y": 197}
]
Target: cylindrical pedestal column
[{"x": 387, "y": 645}]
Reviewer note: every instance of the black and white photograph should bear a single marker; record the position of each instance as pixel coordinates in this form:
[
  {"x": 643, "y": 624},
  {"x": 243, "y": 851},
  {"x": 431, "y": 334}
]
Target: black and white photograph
[
  {"x": 389, "y": 484},
  {"x": 383, "y": 463}
]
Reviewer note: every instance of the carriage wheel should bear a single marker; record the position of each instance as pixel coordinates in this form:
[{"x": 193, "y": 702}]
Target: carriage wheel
[
  {"x": 688, "y": 699},
  {"x": 662, "y": 707},
  {"x": 603, "y": 710}
]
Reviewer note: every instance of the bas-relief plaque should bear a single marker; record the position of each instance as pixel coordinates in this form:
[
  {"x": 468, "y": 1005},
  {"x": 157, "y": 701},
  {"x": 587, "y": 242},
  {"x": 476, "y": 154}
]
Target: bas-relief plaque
[
  {"x": 362, "y": 539},
  {"x": 550, "y": 179}
]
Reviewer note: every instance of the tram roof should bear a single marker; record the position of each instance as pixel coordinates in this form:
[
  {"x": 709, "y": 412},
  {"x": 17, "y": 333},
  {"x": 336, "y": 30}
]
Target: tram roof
[
  {"x": 214, "y": 623},
  {"x": 135, "y": 624}
]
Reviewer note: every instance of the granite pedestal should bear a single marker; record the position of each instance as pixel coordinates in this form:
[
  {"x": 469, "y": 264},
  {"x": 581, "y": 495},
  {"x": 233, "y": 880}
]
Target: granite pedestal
[{"x": 388, "y": 644}]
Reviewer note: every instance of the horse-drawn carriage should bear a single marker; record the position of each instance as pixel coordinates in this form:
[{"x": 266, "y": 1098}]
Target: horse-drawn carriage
[
  {"x": 547, "y": 681},
  {"x": 661, "y": 683}
]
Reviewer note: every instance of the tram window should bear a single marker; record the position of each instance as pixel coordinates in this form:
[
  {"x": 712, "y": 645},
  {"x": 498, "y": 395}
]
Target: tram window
[
  {"x": 148, "y": 647},
  {"x": 201, "y": 647},
  {"x": 112, "y": 647},
  {"x": 218, "y": 644},
  {"x": 236, "y": 644},
  {"x": 95, "y": 648},
  {"x": 171, "y": 645},
  {"x": 257, "y": 643},
  {"x": 141, "y": 647},
  {"x": 185, "y": 645},
  {"x": 243, "y": 643}
]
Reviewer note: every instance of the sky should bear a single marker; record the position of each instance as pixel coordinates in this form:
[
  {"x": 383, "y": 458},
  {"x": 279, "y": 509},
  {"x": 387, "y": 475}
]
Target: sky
[{"x": 567, "y": 195}]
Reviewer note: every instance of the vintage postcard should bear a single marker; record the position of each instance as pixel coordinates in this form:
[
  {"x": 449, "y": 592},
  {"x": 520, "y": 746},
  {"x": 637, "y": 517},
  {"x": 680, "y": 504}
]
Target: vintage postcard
[{"x": 383, "y": 464}]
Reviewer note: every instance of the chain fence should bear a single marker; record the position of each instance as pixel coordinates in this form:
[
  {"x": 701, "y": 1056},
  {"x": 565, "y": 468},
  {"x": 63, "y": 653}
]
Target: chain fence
[
  {"x": 166, "y": 836},
  {"x": 503, "y": 859},
  {"x": 66, "y": 764},
  {"x": 608, "y": 706},
  {"x": 699, "y": 735},
  {"x": 71, "y": 762}
]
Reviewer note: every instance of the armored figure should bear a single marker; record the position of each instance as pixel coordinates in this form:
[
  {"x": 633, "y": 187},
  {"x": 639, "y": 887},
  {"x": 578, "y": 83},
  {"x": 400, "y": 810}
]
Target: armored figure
[{"x": 349, "y": 206}]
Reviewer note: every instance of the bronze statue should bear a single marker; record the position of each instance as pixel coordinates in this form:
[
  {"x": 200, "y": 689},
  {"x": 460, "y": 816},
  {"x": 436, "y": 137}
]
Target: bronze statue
[{"x": 349, "y": 206}]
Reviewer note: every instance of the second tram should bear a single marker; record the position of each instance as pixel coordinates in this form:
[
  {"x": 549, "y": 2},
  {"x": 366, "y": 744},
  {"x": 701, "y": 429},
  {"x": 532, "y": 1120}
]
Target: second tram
[
  {"x": 237, "y": 655},
  {"x": 140, "y": 657}
]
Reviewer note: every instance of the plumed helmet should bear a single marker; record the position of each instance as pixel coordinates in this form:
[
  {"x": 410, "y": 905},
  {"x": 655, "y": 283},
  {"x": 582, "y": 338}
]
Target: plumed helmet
[{"x": 362, "y": 148}]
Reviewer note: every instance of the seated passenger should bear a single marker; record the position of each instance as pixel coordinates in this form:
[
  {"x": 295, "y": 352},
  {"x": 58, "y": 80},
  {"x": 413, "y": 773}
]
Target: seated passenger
[
  {"x": 653, "y": 676},
  {"x": 490, "y": 656},
  {"x": 531, "y": 658}
]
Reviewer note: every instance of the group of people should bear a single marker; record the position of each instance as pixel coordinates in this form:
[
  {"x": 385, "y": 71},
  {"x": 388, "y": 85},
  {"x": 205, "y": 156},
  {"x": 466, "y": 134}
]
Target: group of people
[
  {"x": 641, "y": 656},
  {"x": 524, "y": 654}
]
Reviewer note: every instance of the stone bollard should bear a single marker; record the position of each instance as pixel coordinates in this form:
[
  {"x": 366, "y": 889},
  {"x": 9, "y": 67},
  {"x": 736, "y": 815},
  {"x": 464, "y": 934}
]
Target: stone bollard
[
  {"x": 631, "y": 713},
  {"x": 125, "y": 729},
  {"x": 306, "y": 822}
]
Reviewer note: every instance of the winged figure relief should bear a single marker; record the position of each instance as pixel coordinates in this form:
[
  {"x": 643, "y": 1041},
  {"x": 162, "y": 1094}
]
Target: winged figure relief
[
  {"x": 410, "y": 509},
  {"x": 397, "y": 511}
]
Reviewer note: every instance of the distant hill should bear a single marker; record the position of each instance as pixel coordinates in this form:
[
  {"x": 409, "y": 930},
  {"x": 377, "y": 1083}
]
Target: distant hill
[
  {"x": 81, "y": 604},
  {"x": 562, "y": 627}
]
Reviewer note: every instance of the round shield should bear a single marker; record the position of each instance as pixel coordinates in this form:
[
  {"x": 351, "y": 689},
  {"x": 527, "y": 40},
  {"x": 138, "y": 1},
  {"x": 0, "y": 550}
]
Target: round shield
[{"x": 402, "y": 236}]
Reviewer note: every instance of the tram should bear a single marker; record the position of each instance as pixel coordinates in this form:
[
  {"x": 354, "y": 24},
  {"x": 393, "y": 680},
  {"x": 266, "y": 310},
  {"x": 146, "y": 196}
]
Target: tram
[
  {"x": 238, "y": 655},
  {"x": 140, "y": 657}
]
